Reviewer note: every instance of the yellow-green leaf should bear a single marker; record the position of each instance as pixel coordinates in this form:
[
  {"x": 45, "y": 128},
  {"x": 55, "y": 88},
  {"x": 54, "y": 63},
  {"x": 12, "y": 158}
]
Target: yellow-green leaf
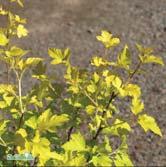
[
  {"x": 76, "y": 143},
  {"x": 3, "y": 39},
  {"x": 137, "y": 106},
  {"x": 91, "y": 88},
  {"x": 3, "y": 127},
  {"x": 117, "y": 127},
  {"x": 124, "y": 59},
  {"x": 7, "y": 89},
  {"x": 149, "y": 123},
  {"x": 15, "y": 51},
  {"x": 152, "y": 59},
  {"x": 101, "y": 160},
  {"x": 31, "y": 122},
  {"x": 49, "y": 122},
  {"x": 22, "y": 132},
  {"x": 122, "y": 159},
  {"x": 132, "y": 90},
  {"x": 40, "y": 147},
  {"x": 111, "y": 78},
  {"x": 20, "y": 20},
  {"x": 96, "y": 77},
  {"x": 77, "y": 161},
  {"x": 21, "y": 31},
  {"x": 59, "y": 56},
  {"x": 117, "y": 82},
  {"x": 107, "y": 39},
  {"x": 90, "y": 109},
  {"x": 32, "y": 61}
]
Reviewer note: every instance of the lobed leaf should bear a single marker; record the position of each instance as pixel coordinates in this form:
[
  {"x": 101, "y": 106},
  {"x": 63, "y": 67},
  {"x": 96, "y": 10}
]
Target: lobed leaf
[{"x": 149, "y": 123}]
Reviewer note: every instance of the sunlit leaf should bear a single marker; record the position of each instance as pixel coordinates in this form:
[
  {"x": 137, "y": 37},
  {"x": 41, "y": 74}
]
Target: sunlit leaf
[
  {"x": 102, "y": 160},
  {"x": 107, "y": 39},
  {"x": 76, "y": 143},
  {"x": 21, "y": 31},
  {"x": 149, "y": 123},
  {"x": 124, "y": 59},
  {"x": 122, "y": 159},
  {"x": 90, "y": 109},
  {"x": 3, "y": 39},
  {"x": 137, "y": 106},
  {"x": 49, "y": 122},
  {"x": 152, "y": 59}
]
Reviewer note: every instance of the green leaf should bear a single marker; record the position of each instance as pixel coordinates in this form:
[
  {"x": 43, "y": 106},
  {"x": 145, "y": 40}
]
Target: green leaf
[
  {"x": 3, "y": 39},
  {"x": 149, "y": 123},
  {"x": 40, "y": 69},
  {"x": 76, "y": 143},
  {"x": 49, "y": 122},
  {"x": 124, "y": 59}
]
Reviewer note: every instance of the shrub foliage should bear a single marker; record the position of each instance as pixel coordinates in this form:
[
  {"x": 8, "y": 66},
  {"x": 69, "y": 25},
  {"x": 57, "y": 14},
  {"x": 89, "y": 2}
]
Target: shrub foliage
[{"x": 71, "y": 123}]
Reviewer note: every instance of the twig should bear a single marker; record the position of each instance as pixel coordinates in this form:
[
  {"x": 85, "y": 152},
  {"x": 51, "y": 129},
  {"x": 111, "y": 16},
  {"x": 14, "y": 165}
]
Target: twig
[
  {"x": 69, "y": 133},
  {"x": 113, "y": 95}
]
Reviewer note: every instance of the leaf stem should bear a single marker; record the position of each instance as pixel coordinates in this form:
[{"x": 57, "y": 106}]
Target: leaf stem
[{"x": 20, "y": 95}]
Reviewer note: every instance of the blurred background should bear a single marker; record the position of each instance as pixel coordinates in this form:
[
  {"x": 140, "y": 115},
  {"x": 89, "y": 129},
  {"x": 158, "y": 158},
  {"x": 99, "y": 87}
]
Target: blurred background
[{"x": 75, "y": 24}]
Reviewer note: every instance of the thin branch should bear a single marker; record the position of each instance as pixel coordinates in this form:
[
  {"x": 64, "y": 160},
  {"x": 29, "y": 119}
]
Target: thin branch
[
  {"x": 88, "y": 96},
  {"x": 134, "y": 72},
  {"x": 20, "y": 121},
  {"x": 69, "y": 133},
  {"x": 113, "y": 95}
]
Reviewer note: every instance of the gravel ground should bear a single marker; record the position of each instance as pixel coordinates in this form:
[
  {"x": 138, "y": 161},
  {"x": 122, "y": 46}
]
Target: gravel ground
[{"x": 75, "y": 23}]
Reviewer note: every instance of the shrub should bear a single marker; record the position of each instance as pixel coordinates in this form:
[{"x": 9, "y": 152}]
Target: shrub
[{"x": 71, "y": 123}]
